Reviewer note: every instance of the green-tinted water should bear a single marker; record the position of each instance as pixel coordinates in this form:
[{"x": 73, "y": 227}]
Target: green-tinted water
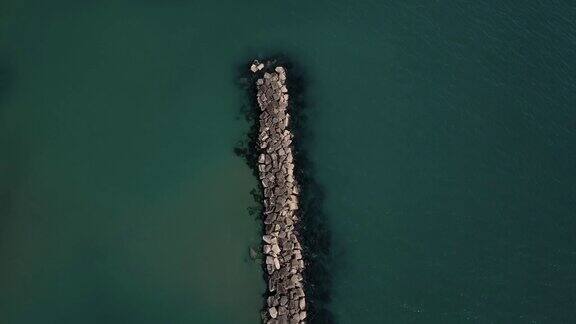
[{"x": 444, "y": 136}]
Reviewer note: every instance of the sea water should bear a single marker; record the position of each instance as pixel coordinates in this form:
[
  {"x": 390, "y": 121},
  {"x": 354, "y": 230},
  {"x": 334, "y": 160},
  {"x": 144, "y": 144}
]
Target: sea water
[{"x": 443, "y": 135}]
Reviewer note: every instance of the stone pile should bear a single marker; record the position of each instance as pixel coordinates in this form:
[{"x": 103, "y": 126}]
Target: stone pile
[{"x": 286, "y": 302}]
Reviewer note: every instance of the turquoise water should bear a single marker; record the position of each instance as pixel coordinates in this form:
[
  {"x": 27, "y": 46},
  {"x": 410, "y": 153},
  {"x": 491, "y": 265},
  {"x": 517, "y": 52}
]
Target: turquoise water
[{"x": 444, "y": 136}]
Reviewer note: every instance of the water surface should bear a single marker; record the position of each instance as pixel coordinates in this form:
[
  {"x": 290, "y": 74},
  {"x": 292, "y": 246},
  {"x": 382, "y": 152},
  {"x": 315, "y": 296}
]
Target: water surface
[{"x": 443, "y": 134}]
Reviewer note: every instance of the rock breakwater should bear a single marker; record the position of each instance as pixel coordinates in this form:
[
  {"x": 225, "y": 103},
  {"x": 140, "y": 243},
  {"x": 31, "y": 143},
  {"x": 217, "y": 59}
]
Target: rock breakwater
[{"x": 284, "y": 264}]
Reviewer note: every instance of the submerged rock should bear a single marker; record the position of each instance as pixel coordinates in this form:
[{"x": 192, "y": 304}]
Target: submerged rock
[{"x": 253, "y": 253}]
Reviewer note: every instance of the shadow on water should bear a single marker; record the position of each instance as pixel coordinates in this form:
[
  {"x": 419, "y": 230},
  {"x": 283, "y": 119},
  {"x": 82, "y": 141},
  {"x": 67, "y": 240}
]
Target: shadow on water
[
  {"x": 7, "y": 173},
  {"x": 313, "y": 226},
  {"x": 5, "y": 81}
]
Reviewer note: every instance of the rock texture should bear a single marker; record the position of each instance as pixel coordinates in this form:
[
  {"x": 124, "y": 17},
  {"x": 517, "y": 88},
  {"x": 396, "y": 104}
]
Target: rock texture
[{"x": 286, "y": 301}]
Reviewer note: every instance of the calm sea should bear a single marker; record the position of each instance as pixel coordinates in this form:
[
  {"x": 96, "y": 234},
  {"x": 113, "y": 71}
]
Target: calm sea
[{"x": 443, "y": 135}]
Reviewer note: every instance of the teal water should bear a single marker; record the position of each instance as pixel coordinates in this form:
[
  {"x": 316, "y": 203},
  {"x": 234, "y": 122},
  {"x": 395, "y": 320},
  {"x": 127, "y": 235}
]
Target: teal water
[{"x": 444, "y": 136}]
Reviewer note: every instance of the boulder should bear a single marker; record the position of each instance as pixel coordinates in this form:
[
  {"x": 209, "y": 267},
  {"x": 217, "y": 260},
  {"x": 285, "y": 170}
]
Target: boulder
[
  {"x": 302, "y": 303},
  {"x": 292, "y": 205},
  {"x": 296, "y": 317},
  {"x": 273, "y": 312},
  {"x": 288, "y": 245},
  {"x": 299, "y": 292},
  {"x": 266, "y": 249},
  {"x": 297, "y": 245},
  {"x": 267, "y": 238},
  {"x": 294, "y": 263},
  {"x": 275, "y": 248},
  {"x": 296, "y": 278},
  {"x": 270, "y": 219}
]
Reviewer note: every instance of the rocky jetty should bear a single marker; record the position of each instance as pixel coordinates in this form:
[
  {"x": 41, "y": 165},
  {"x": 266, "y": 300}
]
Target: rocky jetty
[{"x": 286, "y": 301}]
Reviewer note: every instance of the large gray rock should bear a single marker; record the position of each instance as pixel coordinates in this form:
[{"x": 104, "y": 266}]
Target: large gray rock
[
  {"x": 275, "y": 248},
  {"x": 296, "y": 317},
  {"x": 302, "y": 303},
  {"x": 267, "y": 238},
  {"x": 273, "y": 312}
]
